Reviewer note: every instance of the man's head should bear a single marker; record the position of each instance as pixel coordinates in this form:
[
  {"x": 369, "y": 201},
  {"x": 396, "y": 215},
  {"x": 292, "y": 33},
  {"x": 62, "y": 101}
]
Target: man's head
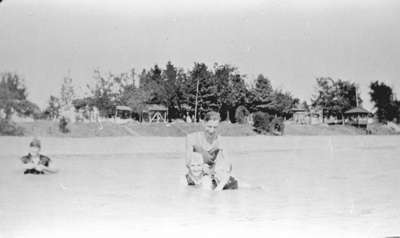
[
  {"x": 211, "y": 123},
  {"x": 35, "y": 146},
  {"x": 196, "y": 164}
]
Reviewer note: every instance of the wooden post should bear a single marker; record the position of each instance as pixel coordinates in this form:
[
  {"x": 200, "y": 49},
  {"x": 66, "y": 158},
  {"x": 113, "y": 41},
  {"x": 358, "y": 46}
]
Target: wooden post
[
  {"x": 197, "y": 95},
  {"x": 342, "y": 119},
  {"x": 356, "y": 97}
]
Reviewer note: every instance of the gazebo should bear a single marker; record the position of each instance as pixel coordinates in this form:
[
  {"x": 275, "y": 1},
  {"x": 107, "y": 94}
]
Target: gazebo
[
  {"x": 123, "y": 112},
  {"x": 357, "y": 116},
  {"x": 300, "y": 115},
  {"x": 156, "y": 113}
]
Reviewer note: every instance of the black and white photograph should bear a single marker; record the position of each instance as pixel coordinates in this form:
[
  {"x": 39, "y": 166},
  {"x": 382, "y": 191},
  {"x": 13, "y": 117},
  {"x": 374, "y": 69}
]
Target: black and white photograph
[{"x": 200, "y": 118}]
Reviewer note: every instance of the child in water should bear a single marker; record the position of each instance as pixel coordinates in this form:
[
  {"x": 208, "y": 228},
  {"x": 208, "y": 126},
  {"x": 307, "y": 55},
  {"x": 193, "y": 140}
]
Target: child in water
[
  {"x": 36, "y": 163},
  {"x": 197, "y": 174}
]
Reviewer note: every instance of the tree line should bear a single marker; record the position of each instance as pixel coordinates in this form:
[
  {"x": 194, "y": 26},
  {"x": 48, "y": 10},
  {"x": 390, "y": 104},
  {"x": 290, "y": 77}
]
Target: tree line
[{"x": 220, "y": 88}]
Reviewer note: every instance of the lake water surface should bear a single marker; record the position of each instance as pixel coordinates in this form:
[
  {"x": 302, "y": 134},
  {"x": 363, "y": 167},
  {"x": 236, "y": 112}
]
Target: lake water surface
[{"x": 325, "y": 188}]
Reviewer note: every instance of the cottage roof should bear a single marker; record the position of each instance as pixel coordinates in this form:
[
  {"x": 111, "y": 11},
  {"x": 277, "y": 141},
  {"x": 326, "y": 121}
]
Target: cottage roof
[
  {"x": 123, "y": 108},
  {"x": 357, "y": 110}
]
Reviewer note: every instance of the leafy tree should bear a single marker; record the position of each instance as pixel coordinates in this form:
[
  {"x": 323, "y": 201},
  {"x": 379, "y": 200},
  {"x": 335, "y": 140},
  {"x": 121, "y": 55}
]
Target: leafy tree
[
  {"x": 325, "y": 95},
  {"x": 264, "y": 98},
  {"x": 262, "y": 121},
  {"x": 281, "y": 104},
  {"x": 230, "y": 90},
  {"x": 122, "y": 84},
  {"x": 28, "y": 108},
  {"x": 9, "y": 128},
  {"x": 67, "y": 92},
  {"x": 135, "y": 97},
  {"x": 13, "y": 96},
  {"x": 109, "y": 90},
  {"x": 335, "y": 97},
  {"x": 174, "y": 79},
  {"x": 137, "y": 100},
  {"x": 265, "y": 123},
  {"x": 63, "y": 125},
  {"x": 345, "y": 96},
  {"x": 262, "y": 94},
  {"x": 222, "y": 89},
  {"x": 305, "y": 105},
  {"x": 206, "y": 100},
  {"x": 383, "y": 98},
  {"x": 53, "y": 109},
  {"x": 143, "y": 79},
  {"x": 221, "y": 84},
  {"x": 82, "y": 102},
  {"x": 152, "y": 81},
  {"x": 102, "y": 94}
]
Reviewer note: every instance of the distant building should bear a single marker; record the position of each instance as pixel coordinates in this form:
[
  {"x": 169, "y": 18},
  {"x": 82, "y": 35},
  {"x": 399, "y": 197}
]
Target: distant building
[
  {"x": 122, "y": 112},
  {"x": 316, "y": 116},
  {"x": 300, "y": 115},
  {"x": 68, "y": 112},
  {"x": 357, "y": 116},
  {"x": 155, "y": 113}
]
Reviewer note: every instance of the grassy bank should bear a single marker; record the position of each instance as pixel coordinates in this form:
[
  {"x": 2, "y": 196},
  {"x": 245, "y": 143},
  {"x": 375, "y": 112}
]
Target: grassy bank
[
  {"x": 43, "y": 128},
  {"x": 50, "y": 128}
]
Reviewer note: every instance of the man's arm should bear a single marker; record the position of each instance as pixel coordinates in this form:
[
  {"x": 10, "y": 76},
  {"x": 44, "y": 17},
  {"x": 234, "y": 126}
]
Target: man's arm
[
  {"x": 191, "y": 147},
  {"x": 223, "y": 167},
  {"x": 48, "y": 169},
  {"x": 188, "y": 150},
  {"x": 27, "y": 163},
  {"x": 223, "y": 175}
]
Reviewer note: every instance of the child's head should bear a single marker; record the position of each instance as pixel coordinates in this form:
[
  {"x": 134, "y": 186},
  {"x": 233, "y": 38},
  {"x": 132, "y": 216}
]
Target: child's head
[
  {"x": 211, "y": 122},
  {"x": 196, "y": 164},
  {"x": 35, "y": 146}
]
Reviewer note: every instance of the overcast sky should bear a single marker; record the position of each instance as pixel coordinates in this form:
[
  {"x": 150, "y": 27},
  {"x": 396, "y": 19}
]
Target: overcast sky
[{"x": 290, "y": 42}]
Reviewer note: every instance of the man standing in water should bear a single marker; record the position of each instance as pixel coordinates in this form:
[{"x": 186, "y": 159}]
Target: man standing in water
[{"x": 209, "y": 145}]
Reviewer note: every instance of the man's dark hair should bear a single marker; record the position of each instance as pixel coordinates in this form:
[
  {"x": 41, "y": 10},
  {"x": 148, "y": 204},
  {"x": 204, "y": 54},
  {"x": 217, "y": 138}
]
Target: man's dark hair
[
  {"x": 212, "y": 116},
  {"x": 35, "y": 143}
]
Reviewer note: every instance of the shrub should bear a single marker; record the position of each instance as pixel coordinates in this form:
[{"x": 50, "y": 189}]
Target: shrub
[
  {"x": 277, "y": 126},
  {"x": 40, "y": 115},
  {"x": 265, "y": 123},
  {"x": 241, "y": 114},
  {"x": 10, "y": 129},
  {"x": 63, "y": 125},
  {"x": 262, "y": 122}
]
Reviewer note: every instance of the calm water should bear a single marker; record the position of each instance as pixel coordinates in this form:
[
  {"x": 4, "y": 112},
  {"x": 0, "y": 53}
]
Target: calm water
[{"x": 347, "y": 192}]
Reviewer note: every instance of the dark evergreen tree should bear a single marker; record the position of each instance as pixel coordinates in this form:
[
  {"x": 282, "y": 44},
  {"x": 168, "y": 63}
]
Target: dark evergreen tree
[{"x": 387, "y": 108}]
